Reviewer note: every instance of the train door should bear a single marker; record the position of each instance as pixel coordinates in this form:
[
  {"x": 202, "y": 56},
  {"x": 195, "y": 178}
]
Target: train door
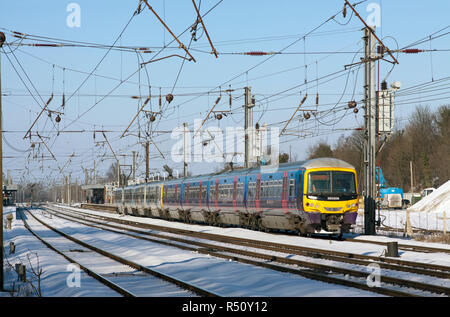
[
  {"x": 258, "y": 193},
  {"x": 235, "y": 193},
  {"x": 300, "y": 181},
  {"x": 292, "y": 190},
  {"x": 181, "y": 196},
  {"x": 212, "y": 193},
  {"x": 158, "y": 196},
  {"x": 284, "y": 191}
]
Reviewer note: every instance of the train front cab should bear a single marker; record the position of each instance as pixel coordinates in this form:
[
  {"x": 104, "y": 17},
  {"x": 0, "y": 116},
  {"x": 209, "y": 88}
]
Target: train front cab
[{"x": 330, "y": 198}]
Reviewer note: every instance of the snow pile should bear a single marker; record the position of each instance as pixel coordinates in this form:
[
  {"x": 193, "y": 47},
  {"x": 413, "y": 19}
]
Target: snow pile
[{"x": 436, "y": 202}]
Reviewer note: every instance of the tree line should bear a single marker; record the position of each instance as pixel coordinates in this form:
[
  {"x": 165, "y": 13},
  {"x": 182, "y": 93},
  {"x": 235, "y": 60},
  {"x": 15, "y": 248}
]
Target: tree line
[{"x": 423, "y": 143}]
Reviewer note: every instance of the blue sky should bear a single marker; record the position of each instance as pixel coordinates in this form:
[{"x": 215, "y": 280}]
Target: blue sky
[{"x": 234, "y": 26}]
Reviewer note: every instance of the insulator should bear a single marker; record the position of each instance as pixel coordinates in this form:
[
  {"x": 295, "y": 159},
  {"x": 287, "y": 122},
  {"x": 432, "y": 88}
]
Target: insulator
[
  {"x": 58, "y": 119},
  {"x": 344, "y": 12},
  {"x": 355, "y": 110},
  {"x": 352, "y": 104},
  {"x": 317, "y": 99},
  {"x": 306, "y": 115},
  {"x": 384, "y": 85},
  {"x": 3, "y": 37},
  {"x": 169, "y": 98},
  {"x": 257, "y": 126},
  {"x": 412, "y": 51},
  {"x": 152, "y": 118},
  {"x": 219, "y": 116}
]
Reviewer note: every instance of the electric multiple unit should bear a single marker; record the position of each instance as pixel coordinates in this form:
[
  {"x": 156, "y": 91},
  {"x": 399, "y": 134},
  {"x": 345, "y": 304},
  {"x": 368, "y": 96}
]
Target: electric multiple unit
[{"x": 305, "y": 197}]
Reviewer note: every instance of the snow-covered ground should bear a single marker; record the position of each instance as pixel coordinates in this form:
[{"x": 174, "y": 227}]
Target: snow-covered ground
[
  {"x": 395, "y": 274},
  {"x": 227, "y": 278},
  {"x": 343, "y": 246}
]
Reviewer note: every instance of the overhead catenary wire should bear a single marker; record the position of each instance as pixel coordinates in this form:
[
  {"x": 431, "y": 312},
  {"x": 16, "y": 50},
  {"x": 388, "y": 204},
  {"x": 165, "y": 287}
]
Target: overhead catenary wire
[{"x": 269, "y": 98}]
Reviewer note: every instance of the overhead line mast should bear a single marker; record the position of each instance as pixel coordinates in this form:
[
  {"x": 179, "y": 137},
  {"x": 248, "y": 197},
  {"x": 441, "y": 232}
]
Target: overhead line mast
[
  {"x": 370, "y": 121},
  {"x": 372, "y": 31}
]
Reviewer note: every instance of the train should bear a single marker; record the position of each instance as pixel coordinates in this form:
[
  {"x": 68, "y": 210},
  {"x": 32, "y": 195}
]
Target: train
[{"x": 313, "y": 196}]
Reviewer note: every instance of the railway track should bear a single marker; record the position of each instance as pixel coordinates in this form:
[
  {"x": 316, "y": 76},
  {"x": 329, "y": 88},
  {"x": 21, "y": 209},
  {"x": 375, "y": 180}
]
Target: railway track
[
  {"x": 405, "y": 247},
  {"x": 218, "y": 249},
  {"x": 91, "y": 273},
  {"x": 122, "y": 291},
  {"x": 286, "y": 247}
]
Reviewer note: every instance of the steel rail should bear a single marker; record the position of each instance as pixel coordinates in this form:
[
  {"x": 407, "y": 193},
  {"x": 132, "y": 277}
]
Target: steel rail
[
  {"x": 319, "y": 273},
  {"x": 215, "y": 249},
  {"x": 168, "y": 278},
  {"x": 315, "y": 253},
  {"x": 293, "y": 248},
  {"x": 91, "y": 273}
]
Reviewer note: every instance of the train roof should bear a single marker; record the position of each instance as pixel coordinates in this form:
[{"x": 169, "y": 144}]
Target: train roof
[{"x": 327, "y": 162}]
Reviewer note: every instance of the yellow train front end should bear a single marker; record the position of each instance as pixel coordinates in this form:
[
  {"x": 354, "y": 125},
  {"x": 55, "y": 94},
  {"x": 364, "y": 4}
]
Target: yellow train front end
[{"x": 330, "y": 199}]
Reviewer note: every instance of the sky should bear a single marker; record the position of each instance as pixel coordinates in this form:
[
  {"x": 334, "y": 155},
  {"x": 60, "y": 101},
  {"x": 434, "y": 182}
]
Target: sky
[{"x": 98, "y": 84}]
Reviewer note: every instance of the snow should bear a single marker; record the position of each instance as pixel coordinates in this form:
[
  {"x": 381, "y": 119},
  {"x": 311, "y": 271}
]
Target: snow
[
  {"x": 29, "y": 250},
  {"x": 436, "y": 202},
  {"x": 227, "y": 278}
]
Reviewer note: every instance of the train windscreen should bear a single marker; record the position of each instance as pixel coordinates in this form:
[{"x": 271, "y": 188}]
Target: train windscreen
[{"x": 333, "y": 183}]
